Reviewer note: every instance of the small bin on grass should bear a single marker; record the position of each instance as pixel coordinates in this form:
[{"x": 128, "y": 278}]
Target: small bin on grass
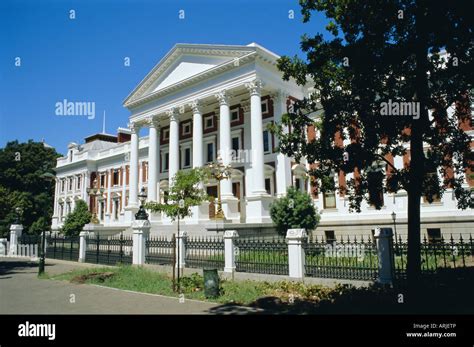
[{"x": 211, "y": 283}]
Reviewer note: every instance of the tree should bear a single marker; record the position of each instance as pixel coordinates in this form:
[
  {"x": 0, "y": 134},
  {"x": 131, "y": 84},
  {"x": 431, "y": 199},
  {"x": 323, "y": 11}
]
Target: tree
[
  {"x": 184, "y": 193},
  {"x": 419, "y": 53},
  {"x": 294, "y": 210},
  {"x": 76, "y": 220},
  {"x": 21, "y": 185}
]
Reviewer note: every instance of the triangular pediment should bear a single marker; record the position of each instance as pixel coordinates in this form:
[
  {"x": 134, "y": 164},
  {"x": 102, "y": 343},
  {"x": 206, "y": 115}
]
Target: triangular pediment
[{"x": 184, "y": 62}]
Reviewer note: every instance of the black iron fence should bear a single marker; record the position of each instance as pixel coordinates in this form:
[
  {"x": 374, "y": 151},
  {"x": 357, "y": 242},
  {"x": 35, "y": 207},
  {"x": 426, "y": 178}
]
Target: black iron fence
[
  {"x": 354, "y": 259},
  {"x": 262, "y": 255},
  {"x": 205, "y": 252},
  {"x": 30, "y": 239},
  {"x": 109, "y": 250},
  {"x": 436, "y": 254},
  {"x": 160, "y": 250},
  {"x": 62, "y": 247}
]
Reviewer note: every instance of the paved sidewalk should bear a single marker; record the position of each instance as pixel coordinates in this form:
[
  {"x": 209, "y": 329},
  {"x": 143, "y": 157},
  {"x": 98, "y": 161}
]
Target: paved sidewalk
[{"x": 21, "y": 292}]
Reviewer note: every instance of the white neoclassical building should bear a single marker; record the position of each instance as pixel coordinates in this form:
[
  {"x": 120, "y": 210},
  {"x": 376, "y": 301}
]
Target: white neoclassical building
[{"x": 199, "y": 102}]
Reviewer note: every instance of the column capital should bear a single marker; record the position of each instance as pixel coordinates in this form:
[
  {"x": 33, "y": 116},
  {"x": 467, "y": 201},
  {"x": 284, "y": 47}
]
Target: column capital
[
  {"x": 134, "y": 127},
  {"x": 195, "y": 106},
  {"x": 172, "y": 114},
  {"x": 154, "y": 122},
  {"x": 255, "y": 86},
  {"x": 279, "y": 95},
  {"x": 245, "y": 106},
  {"x": 223, "y": 97}
]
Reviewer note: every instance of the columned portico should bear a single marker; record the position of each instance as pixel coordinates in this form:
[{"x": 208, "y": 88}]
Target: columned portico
[
  {"x": 283, "y": 162},
  {"x": 258, "y": 200},
  {"x": 229, "y": 202}
]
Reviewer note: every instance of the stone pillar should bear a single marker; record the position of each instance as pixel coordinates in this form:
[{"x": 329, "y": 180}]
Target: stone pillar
[
  {"x": 230, "y": 250},
  {"x": 153, "y": 155},
  {"x": 83, "y": 245},
  {"x": 141, "y": 231},
  {"x": 134, "y": 144},
  {"x": 296, "y": 256},
  {"x": 85, "y": 184},
  {"x": 174, "y": 145},
  {"x": 384, "y": 241},
  {"x": 108, "y": 212},
  {"x": 15, "y": 233},
  {"x": 181, "y": 249}
]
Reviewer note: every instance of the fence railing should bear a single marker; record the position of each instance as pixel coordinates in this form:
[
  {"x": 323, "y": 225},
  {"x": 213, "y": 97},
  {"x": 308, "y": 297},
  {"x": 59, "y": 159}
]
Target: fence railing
[
  {"x": 354, "y": 259},
  {"x": 109, "y": 250},
  {"x": 62, "y": 247},
  {"x": 160, "y": 250},
  {"x": 435, "y": 254},
  {"x": 261, "y": 255},
  {"x": 205, "y": 252}
]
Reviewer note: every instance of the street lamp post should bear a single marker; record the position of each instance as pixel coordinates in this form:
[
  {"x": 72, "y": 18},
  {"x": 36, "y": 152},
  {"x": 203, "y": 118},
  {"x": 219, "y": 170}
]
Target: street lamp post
[
  {"x": 94, "y": 192},
  {"x": 48, "y": 177},
  {"x": 220, "y": 172},
  {"x": 394, "y": 218}
]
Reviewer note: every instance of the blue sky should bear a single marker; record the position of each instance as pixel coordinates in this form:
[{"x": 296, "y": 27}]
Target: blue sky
[{"x": 83, "y": 59}]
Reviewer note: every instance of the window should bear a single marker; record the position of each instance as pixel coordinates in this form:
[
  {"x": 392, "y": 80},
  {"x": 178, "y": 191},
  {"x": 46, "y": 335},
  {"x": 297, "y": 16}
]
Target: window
[
  {"x": 434, "y": 235},
  {"x": 186, "y": 129},
  {"x": 115, "y": 180},
  {"x": 298, "y": 183},
  {"x": 266, "y": 141},
  {"x": 234, "y": 115},
  {"x": 166, "y": 161},
  {"x": 116, "y": 209},
  {"x": 166, "y": 134},
  {"x": 78, "y": 182},
  {"x": 102, "y": 180},
  {"x": 235, "y": 147},
  {"x": 63, "y": 185},
  {"x": 210, "y": 152},
  {"x": 70, "y": 184},
  {"x": 329, "y": 199},
  {"x": 187, "y": 157},
  {"x": 330, "y": 236},
  {"x": 102, "y": 210},
  {"x": 265, "y": 106},
  {"x": 70, "y": 155},
  {"x": 209, "y": 122},
  {"x": 268, "y": 186}
]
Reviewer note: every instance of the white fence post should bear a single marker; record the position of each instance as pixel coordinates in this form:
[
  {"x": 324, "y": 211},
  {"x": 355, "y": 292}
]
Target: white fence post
[
  {"x": 296, "y": 256},
  {"x": 15, "y": 233},
  {"x": 383, "y": 237},
  {"x": 181, "y": 249},
  {"x": 230, "y": 250},
  {"x": 83, "y": 245},
  {"x": 141, "y": 230}
]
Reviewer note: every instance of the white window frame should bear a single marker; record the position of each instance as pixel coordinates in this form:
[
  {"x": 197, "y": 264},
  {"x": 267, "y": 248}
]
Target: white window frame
[
  {"x": 206, "y": 141},
  {"x": 235, "y": 111},
  {"x": 166, "y": 134},
  {"x": 265, "y": 102},
  {"x": 78, "y": 182},
  {"x": 163, "y": 160},
  {"x": 184, "y": 147},
  {"x": 187, "y": 125},
  {"x": 205, "y": 122}
]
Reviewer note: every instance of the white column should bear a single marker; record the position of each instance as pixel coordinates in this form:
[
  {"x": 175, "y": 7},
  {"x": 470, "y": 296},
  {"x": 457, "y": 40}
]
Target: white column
[
  {"x": 133, "y": 193},
  {"x": 85, "y": 184},
  {"x": 124, "y": 185},
  {"x": 256, "y": 132},
  {"x": 153, "y": 155},
  {"x": 225, "y": 141},
  {"x": 197, "y": 135},
  {"x": 296, "y": 256},
  {"x": 283, "y": 163},
  {"x": 174, "y": 145},
  {"x": 15, "y": 233},
  {"x": 56, "y": 197},
  {"x": 83, "y": 246},
  {"x": 181, "y": 249},
  {"x": 109, "y": 190}
]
